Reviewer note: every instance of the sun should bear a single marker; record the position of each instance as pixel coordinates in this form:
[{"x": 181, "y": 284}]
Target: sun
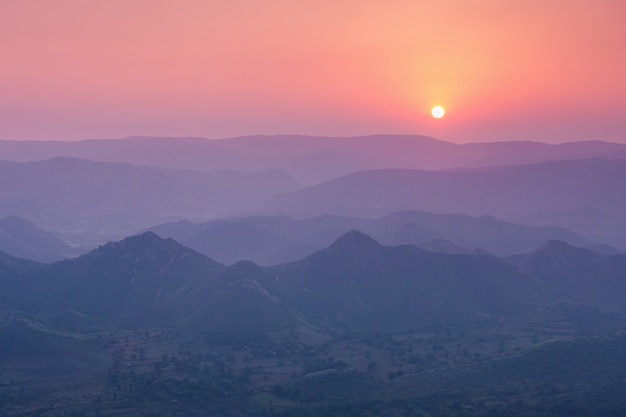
[{"x": 438, "y": 112}]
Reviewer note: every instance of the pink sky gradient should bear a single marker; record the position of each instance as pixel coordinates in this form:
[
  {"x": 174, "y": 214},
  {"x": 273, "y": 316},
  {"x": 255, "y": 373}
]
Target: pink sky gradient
[{"x": 551, "y": 71}]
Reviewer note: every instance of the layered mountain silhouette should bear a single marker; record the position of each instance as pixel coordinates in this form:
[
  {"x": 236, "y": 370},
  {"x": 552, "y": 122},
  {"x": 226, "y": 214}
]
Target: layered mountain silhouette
[
  {"x": 354, "y": 284},
  {"x": 115, "y": 199},
  {"x": 365, "y": 285},
  {"x": 145, "y": 280},
  {"x": 303, "y": 156},
  {"x": 10, "y": 266},
  {"x": 406, "y": 276},
  {"x": 585, "y": 196},
  {"x": 270, "y": 240},
  {"x": 86, "y": 203},
  {"x": 137, "y": 278},
  {"x": 578, "y": 273},
  {"x": 23, "y": 239},
  {"x": 131, "y": 311}
]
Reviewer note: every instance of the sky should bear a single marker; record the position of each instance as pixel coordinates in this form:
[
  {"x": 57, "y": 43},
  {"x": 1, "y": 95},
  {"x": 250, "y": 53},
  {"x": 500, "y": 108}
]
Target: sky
[{"x": 544, "y": 70}]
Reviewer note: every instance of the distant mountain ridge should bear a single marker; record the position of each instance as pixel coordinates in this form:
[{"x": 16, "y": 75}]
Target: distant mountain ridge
[
  {"x": 151, "y": 181},
  {"x": 271, "y": 240},
  {"x": 78, "y": 196},
  {"x": 587, "y": 195},
  {"x": 302, "y": 156},
  {"x": 23, "y": 239}
]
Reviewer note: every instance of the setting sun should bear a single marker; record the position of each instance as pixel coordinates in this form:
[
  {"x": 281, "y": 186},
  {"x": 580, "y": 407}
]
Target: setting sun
[{"x": 438, "y": 112}]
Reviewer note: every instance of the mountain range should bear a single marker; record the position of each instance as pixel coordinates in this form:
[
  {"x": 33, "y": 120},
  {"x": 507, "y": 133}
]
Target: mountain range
[
  {"x": 23, "y": 239},
  {"x": 111, "y": 200},
  {"x": 355, "y": 283},
  {"x": 305, "y": 276},
  {"x": 271, "y": 240},
  {"x": 147, "y": 319},
  {"x": 309, "y": 159},
  {"x": 150, "y": 181},
  {"x": 585, "y": 196},
  {"x": 85, "y": 203}
]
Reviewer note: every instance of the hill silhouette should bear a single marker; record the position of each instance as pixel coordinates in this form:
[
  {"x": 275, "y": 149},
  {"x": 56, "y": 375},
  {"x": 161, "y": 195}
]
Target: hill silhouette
[
  {"x": 356, "y": 324},
  {"x": 80, "y": 197},
  {"x": 302, "y": 156},
  {"x": 24, "y": 239},
  {"x": 585, "y": 196},
  {"x": 365, "y": 286},
  {"x": 271, "y": 240}
]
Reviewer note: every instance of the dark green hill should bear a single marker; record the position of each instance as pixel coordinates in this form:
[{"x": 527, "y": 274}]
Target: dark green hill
[
  {"x": 11, "y": 268},
  {"x": 578, "y": 273},
  {"x": 355, "y": 284},
  {"x": 357, "y": 328},
  {"x": 148, "y": 281},
  {"x": 140, "y": 279},
  {"x": 10, "y": 265},
  {"x": 362, "y": 285},
  {"x": 240, "y": 303},
  {"x": 30, "y": 350}
]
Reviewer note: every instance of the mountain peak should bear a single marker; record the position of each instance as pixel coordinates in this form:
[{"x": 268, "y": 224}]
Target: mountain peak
[
  {"x": 140, "y": 241},
  {"x": 145, "y": 237},
  {"x": 354, "y": 240},
  {"x": 149, "y": 246},
  {"x": 558, "y": 253}
]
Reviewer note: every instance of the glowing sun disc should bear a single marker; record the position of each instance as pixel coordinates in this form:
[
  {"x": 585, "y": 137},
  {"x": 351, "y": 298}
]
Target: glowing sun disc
[{"x": 438, "y": 112}]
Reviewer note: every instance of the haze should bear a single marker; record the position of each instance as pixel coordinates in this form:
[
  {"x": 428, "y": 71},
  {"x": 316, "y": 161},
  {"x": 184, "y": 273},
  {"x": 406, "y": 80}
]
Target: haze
[
  {"x": 532, "y": 70},
  {"x": 238, "y": 207}
]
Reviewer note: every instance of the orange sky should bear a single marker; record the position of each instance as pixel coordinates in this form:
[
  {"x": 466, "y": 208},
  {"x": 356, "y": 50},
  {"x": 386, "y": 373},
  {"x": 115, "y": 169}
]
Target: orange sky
[{"x": 548, "y": 70}]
